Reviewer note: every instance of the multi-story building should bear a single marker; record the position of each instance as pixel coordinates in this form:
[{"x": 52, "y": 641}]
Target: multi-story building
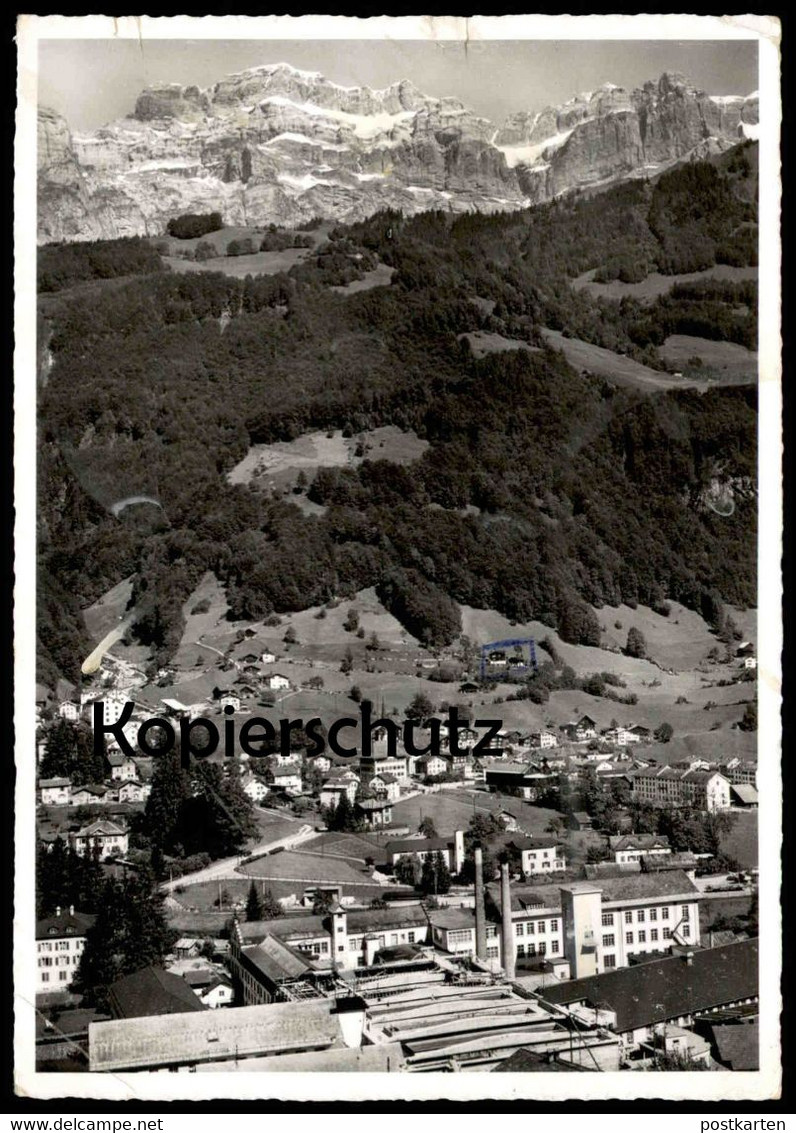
[
  {"x": 60, "y": 941},
  {"x": 543, "y": 739},
  {"x": 123, "y": 769},
  {"x": 597, "y": 926},
  {"x": 740, "y": 771},
  {"x": 111, "y": 839},
  {"x": 539, "y": 855},
  {"x": 333, "y": 790},
  {"x": 662, "y": 786},
  {"x": 55, "y": 792},
  {"x": 347, "y": 939},
  {"x": 113, "y": 703},
  {"x": 67, "y": 710},
  {"x": 451, "y": 848}
]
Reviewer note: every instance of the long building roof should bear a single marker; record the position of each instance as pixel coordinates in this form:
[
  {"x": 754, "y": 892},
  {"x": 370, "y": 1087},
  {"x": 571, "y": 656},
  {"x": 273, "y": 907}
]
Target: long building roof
[
  {"x": 667, "y": 988},
  {"x": 213, "y": 1036}
]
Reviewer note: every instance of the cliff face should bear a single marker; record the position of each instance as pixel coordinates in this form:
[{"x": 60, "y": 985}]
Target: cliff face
[{"x": 278, "y": 145}]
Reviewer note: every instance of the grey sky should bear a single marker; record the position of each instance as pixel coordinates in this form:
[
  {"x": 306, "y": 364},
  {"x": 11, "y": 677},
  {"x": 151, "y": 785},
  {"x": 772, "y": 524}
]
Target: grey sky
[{"x": 92, "y": 82}]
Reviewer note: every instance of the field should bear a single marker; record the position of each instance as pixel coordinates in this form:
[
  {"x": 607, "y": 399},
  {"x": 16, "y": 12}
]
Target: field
[
  {"x": 278, "y": 465},
  {"x": 308, "y": 869},
  {"x": 260, "y": 263},
  {"x": 656, "y": 284},
  {"x": 452, "y": 810},
  {"x": 381, "y": 276},
  {"x": 615, "y": 367},
  {"x": 724, "y": 362}
]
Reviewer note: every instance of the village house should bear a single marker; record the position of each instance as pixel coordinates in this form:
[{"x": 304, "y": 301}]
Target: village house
[
  {"x": 375, "y": 812},
  {"x": 380, "y": 762},
  {"x": 268, "y": 658},
  {"x": 640, "y": 734},
  {"x": 276, "y": 682},
  {"x": 385, "y": 787},
  {"x": 543, "y": 739},
  {"x": 60, "y": 940},
  {"x": 254, "y": 787},
  {"x": 55, "y": 792},
  {"x": 130, "y": 792},
  {"x": 334, "y": 789},
  {"x": 451, "y": 847},
  {"x": 431, "y": 765},
  {"x": 113, "y": 701},
  {"x": 91, "y": 795},
  {"x": 622, "y": 737},
  {"x": 123, "y": 768},
  {"x": 67, "y": 710},
  {"x": 634, "y": 847},
  {"x": 210, "y": 987},
  {"x": 582, "y": 730},
  {"x": 112, "y": 840},
  {"x": 229, "y": 700},
  {"x": 321, "y": 763},
  {"x": 662, "y": 786},
  {"x": 287, "y": 778},
  {"x": 538, "y": 855}
]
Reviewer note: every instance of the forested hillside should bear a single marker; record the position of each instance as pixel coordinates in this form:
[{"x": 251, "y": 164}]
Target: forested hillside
[{"x": 543, "y": 490}]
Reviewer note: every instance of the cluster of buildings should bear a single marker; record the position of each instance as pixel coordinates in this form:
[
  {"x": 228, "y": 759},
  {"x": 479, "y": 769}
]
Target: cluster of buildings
[{"x": 580, "y": 976}]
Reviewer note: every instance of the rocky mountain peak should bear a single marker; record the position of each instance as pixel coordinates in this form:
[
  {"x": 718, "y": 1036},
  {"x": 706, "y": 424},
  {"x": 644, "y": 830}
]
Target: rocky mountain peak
[{"x": 276, "y": 144}]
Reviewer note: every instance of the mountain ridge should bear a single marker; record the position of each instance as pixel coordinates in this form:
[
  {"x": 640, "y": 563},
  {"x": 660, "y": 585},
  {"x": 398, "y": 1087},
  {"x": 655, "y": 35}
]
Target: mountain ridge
[{"x": 274, "y": 144}]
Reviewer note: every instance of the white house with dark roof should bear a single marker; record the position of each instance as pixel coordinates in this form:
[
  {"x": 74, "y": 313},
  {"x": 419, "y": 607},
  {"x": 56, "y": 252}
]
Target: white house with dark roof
[
  {"x": 113, "y": 840},
  {"x": 634, "y": 847},
  {"x": 450, "y": 846},
  {"x": 123, "y": 768},
  {"x": 55, "y": 792},
  {"x": 385, "y": 786},
  {"x": 60, "y": 940},
  {"x": 277, "y": 682},
  {"x": 132, "y": 792},
  {"x": 70, "y": 711}
]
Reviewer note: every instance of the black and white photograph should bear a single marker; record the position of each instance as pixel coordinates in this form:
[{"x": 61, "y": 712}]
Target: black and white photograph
[{"x": 397, "y": 410}]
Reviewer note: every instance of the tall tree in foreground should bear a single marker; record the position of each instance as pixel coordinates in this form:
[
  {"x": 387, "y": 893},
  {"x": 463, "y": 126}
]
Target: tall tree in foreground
[
  {"x": 254, "y": 906},
  {"x": 130, "y": 933}
]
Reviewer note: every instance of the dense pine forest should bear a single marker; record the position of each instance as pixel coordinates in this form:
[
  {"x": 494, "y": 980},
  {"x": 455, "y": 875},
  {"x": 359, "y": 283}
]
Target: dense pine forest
[{"x": 544, "y": 491}]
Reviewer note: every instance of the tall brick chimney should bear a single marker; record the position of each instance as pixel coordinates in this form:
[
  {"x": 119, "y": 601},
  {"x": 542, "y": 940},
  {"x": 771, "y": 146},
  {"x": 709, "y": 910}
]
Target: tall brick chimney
[
  {"x": 480, "y": 914},
  {"x": 506, "y": 923}
]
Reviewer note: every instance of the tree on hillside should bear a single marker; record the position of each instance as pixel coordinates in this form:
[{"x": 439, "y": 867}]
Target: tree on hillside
[
  {"x": 347, "y": 664},
  {"x": 254, "y": 906},
  {"x": 419, "y": 708},
  {"x": 663, "y": 733},
  {"x": 749, "y": 720},
  {"x": 291, "y": 637},
  {"x": 428, "y": 828},
  {"x": 636, "y": 643},
  {"x": 351, "y": 622}
]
